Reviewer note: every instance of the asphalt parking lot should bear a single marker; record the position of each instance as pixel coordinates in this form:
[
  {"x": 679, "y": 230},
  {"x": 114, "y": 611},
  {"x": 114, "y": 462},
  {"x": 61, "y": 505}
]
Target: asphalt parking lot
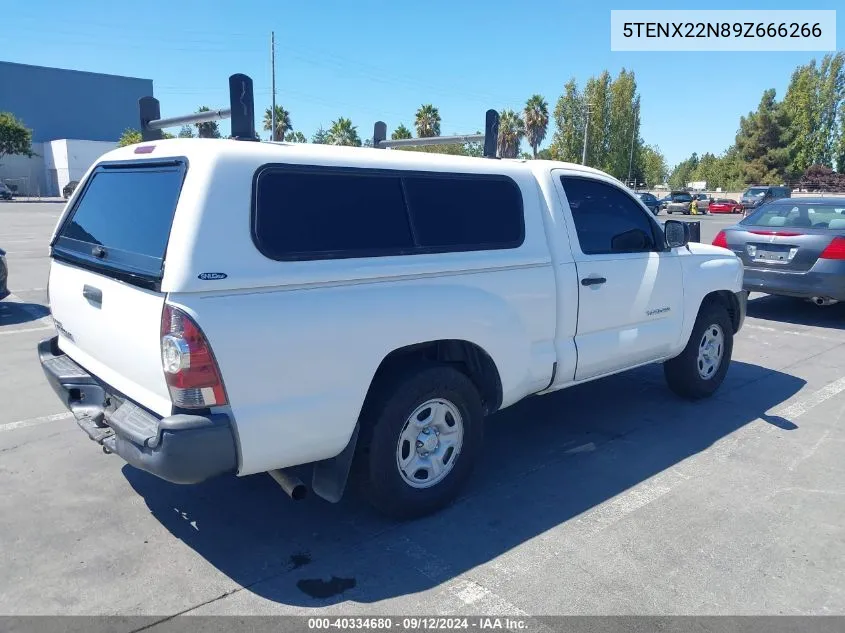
[{"x": 609, "y": 498}]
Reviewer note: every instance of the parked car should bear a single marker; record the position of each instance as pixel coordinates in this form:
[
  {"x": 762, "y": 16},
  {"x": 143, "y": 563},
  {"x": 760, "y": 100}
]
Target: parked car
[
  {"x": 793, "y": 247},
  {"x": 651, "y": 202},
  {"x": 755, "y": 196},
  {"x": 679, "y": 202},
  {"x": 5, "y": 192},
  {"x": 725, "y": 205},
  {"x": 4, "y": 275},
  {"x": 238, "y": 333},
  {"x": 69, "y": 188}
]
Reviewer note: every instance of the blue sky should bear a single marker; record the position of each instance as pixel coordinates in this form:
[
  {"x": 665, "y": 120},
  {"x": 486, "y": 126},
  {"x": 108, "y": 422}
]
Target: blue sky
[{"x": 370, "y": 60}]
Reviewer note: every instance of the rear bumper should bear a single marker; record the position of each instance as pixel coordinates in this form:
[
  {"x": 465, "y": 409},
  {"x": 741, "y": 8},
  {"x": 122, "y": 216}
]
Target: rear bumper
[
  {"x": 804, "y": 285},
  {"x": 183, "y": 449}
]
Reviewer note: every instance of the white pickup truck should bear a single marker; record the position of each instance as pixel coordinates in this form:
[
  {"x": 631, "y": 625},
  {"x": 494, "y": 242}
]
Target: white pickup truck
[{"x": 234, "y": 307}]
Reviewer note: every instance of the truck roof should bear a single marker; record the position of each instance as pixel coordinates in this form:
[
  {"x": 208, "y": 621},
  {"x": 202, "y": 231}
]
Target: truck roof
[{"x": 268, "y": 152}]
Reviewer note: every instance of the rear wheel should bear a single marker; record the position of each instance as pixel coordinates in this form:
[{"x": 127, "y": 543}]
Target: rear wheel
[
  {"x": 426, "y": 434},
  {"x": 700, "y": 369}
]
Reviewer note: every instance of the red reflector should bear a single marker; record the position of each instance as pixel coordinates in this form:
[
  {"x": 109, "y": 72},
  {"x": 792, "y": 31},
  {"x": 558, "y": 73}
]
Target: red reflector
[
  {"x": 145, "y": 149},
  {"x": 721, "y": 240},
  {"x": 778, "y": 233},
  {"x": 835, "y": 250}
]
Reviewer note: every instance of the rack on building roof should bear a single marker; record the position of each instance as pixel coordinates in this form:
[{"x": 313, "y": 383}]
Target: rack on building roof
[
  {"x": 489, "y": 138},
  {"x": 241, "y": 111}
]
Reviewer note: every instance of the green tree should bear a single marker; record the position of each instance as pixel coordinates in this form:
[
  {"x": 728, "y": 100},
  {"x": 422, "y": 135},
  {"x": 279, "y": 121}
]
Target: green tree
[
  {"x": 652, "y": 164},
  {"x": 186, "y": 132},
  {"x": 762, "y": 142},
  {"x": 596, "y": 92},
  {"x": 342, "y": 132},
  {"x": 283, "y": 124},
  {"x": 427, "y": 121},
  {"x": 401, "y": 132},
  {"x": 15, "y": 137},
  {"x": 511, "y": 133},
  {"x": 209, "y": 129},
  {"x": 295, "y": 137},
  {"x": 622, "y": 125},
  {"x": 800, "y": 105},
  {"x": 569, "y": 116},
  {"x": 545, "y": 154},
  {"x": 321, "y": 137},
  {"x": 831, "y": 98},
  {"x": 682, "y": 173},
  {"x": 536, "y": 117},
  {"x": 131, "y": 137}
]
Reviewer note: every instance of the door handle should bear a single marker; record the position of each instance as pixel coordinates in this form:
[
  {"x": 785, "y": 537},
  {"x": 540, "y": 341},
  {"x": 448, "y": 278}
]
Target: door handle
[
  {"x": 593, "y": 281},
  {"x": 94, "y": 295}
]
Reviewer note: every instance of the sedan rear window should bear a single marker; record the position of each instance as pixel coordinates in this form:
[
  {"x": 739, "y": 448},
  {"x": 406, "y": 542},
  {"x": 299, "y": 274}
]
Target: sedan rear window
[
  {"x": 816, "y": 216},
  {"x": 123, "y": 217}
]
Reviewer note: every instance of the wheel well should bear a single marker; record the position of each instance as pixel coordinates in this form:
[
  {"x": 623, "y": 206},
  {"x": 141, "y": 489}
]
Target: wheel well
[
  {"x": 729, "y": 301},
  {"x": 467, "y": 357}
]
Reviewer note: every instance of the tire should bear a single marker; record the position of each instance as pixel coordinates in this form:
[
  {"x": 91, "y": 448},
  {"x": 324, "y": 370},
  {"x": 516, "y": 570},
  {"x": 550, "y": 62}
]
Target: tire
[
  {"x": 684, "y": 372},
  {"x": 406, "y": 495}
]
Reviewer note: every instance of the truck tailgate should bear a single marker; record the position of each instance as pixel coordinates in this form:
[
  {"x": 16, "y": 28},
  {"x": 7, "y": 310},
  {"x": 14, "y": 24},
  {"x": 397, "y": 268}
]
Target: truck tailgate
[{"x": 112, "y": 329}]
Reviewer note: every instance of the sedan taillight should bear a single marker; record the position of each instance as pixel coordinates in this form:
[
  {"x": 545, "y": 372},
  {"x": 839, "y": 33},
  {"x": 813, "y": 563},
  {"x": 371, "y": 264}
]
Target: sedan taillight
[{"x": 834, "y": 250}]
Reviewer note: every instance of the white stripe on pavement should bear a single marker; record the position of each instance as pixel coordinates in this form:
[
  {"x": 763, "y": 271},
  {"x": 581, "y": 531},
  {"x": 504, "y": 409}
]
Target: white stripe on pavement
[
  {"x": 22, "y": 424},
  {"x": 28, "y": 329},
  {"x": 799, "y": 408}
]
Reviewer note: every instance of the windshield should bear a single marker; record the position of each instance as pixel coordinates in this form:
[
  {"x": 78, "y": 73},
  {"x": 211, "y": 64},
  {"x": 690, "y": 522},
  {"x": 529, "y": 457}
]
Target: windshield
[
  {"x": 816, "y": 216},
  {"x": 682, "y": 197},
  {"x": 755, "y": 192},
  {"x": 724, "y": 201}
]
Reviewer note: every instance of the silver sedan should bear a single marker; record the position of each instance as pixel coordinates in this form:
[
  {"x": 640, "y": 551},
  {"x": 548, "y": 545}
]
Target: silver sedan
[{"x": 793, "y": 247}]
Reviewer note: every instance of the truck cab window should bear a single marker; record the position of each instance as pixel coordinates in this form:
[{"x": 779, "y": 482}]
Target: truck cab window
[{"x": 606, "y": 219}]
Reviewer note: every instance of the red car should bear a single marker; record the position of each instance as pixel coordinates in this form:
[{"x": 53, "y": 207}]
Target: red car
[{"x": 723, "y": 205}]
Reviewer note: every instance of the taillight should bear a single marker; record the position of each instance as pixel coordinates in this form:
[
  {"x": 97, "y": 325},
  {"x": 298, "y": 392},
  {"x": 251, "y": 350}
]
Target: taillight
[
  {"x": 192, "y": 375},
  {"x": 835, "y": 250},
  {"x": 721, "y": 240}
]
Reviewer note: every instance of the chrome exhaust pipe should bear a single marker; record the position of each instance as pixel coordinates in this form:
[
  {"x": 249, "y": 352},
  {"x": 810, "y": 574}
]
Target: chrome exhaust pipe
[
  {"x": 291, "y": 484},
  {"x": 824, "y": 301}
]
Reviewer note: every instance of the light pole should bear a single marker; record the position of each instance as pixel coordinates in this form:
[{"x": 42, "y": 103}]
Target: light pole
[
  {"x": 633, "y": 131},
  {"x": 273, "y": 84},
  {"x": 586, "y": 127}
]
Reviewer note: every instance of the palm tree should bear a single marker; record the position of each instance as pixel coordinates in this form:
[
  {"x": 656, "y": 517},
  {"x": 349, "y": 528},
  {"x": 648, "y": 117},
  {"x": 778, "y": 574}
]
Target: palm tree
[
  {"x": 511, "y": 131},
  {"x": 536, "y": 121},
  {"x": 283, "y": 123},
  {"x": 342, "y": 132},
  {"x": 427, "y": 121},
  {"x": 208, "y": 129},
  {"x": 295, "y": 137},
  {"x": 400, "y": 133}
]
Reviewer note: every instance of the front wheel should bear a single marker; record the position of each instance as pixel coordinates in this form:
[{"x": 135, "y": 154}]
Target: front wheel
[
  {"x": 427, "y": 432},
  {"x": 700, "y": 369}
]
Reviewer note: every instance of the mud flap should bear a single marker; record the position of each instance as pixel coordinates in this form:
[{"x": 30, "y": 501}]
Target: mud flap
[{"x": 330, "y": 475}]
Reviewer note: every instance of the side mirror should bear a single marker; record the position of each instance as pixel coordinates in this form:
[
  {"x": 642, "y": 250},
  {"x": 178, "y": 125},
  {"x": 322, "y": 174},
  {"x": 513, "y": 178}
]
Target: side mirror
[{"x": 677, "y": 233}]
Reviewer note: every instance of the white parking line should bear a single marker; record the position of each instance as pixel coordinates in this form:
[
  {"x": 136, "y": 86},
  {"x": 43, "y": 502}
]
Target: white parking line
[
  {"x": 21, "y": 424},
  {"x": 799, "y": 408},
  {"x": 658, "y": 486},
  {"x": 25, "y": 330},
  {"x": 763, "y": 328}
]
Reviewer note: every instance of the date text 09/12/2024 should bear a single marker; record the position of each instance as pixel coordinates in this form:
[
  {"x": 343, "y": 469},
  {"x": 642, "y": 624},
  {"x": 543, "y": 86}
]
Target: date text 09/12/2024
[{"x": 417, "y": 623}]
